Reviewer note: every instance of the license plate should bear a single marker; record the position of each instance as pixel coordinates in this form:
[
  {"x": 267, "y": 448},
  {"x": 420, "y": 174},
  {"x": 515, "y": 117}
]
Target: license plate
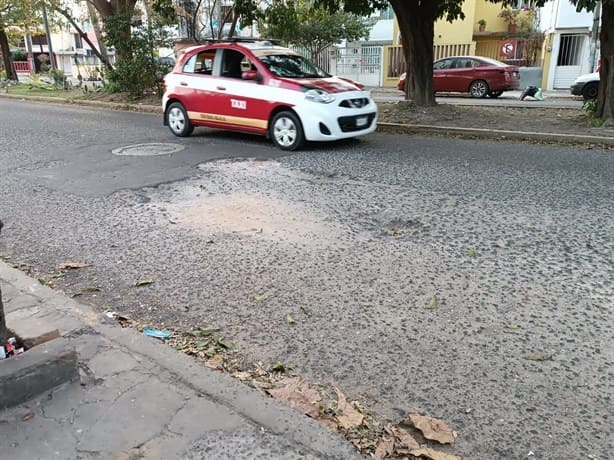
[{"x": 361, "y": 121}]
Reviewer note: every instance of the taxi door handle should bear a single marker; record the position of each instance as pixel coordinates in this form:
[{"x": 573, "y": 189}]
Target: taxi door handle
[
  {"x": 183, "y": 83},
  {"x": 221, "y": 88}
]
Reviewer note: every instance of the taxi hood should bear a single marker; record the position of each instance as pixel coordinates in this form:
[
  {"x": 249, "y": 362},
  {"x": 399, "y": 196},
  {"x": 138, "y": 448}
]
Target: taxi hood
[{"x": 331, "y": 85}]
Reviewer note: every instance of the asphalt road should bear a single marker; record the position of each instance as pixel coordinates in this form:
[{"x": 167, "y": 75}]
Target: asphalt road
[{"x": 467, "y": 280}]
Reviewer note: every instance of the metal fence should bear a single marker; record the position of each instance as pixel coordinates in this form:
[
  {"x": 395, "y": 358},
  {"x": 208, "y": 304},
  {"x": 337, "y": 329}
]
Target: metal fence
[{"x": 526, "y": 51}]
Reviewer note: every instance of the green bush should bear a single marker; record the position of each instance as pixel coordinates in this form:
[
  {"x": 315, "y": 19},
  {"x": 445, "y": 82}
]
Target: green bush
[
  {"x": 59, "y": 79},
  {"x": 19, "y": 55},
  {"x": 135, "y": 48},
  {"x": 590, "y": 107}
]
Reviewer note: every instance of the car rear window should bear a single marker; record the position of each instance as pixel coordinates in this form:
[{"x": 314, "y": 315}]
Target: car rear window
[
  {"x": 200, "y": 63},
  {"x": 489, "y": 61}
]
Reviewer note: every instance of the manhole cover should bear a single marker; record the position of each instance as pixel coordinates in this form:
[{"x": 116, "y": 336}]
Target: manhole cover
[{"x": 143, "y": 150}]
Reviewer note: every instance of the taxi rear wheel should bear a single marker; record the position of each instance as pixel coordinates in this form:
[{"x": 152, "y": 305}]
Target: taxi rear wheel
[
  {"x": 286, "y": 131},
  {"x": 178, "y": 121}
]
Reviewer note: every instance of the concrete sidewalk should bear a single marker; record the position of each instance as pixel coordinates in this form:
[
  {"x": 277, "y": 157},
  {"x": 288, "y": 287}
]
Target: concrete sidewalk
[{"x": 138, "y": 398}]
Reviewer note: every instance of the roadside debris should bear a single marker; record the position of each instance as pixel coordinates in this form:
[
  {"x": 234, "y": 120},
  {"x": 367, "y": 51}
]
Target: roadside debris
[
  {"x": 72, "y": 265},
  {"x": 539, "y": 356},
  {"x": 347, "y": 416},
  {"x": 412, "y": 437},
  {"x": 432, "y": 303},
  {"x": 533, "y": 92},
  {"x": 142, "y": 282},
  {"x": 10, "y": 349},
  {"x": 157, "y": 333},
  {"x": 432, "y": 428},
  {"x": 296, "y": 393}
]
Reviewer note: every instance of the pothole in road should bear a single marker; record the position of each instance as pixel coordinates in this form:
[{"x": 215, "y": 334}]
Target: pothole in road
[
  {"x": 247, "y": 213},
  {"x": 149, "y": 149}
]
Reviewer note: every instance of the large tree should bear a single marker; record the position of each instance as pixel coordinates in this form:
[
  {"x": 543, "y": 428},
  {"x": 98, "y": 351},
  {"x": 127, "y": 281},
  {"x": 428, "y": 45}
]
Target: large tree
[{"x": 605, "y": 100}]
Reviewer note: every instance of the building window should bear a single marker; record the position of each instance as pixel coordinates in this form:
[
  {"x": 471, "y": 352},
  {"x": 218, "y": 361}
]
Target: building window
[
  {"x": 521, "y": 5},
  {"x": 78, "y": 42},
  {"x": 388, "y": 13}
]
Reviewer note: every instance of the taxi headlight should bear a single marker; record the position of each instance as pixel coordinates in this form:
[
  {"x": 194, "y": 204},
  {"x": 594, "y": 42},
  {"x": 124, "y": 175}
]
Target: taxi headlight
[{"x": 317, "y": 95}]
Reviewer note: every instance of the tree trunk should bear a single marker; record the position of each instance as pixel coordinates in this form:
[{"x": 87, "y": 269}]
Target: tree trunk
[
  {"x": 6, "y": 56},
  {"x": 97, "y": 32},
  {"x": 116, "y": 8},
  {"x": 416, "y": 20},
  {"x": 605, "y": 107},
  {"x": 409, "y": 78}
]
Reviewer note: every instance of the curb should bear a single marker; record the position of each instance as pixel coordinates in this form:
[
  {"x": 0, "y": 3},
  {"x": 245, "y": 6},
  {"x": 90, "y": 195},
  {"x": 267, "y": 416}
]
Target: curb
[
  {"x": 39, "y": 369},
  {"x": 70, "y": 317},
  {"x": 400, "y": 128},
  {"x": 498, "y": 134}
]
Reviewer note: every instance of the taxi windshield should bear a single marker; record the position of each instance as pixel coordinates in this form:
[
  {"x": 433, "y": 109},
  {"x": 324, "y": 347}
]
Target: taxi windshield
[{"x": 292, "y": 66}]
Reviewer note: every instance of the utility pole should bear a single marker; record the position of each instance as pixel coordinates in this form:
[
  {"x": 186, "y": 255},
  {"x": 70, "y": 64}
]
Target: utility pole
[
  {"x": 49, "y": 47},
  {"x": 595, "y": 35}
]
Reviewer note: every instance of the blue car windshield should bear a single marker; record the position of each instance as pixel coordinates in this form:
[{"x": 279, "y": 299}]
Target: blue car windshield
[{"x": 292, "y": 66}]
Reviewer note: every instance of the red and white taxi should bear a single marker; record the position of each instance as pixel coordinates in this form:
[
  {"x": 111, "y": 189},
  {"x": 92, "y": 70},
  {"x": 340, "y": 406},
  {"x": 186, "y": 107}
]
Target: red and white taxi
[{"x": 258, "y": 87}]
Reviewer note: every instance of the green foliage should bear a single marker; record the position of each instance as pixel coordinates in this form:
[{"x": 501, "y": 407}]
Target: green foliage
[
  {"x": 136, "y": 70},
  {"x": 299, "y": 22},
  {"x": 60, "y": 80},
  {"x": 19, "y": 55},
  {"x": 164, "y": 10},
  {"x": 590, "y": 107}
]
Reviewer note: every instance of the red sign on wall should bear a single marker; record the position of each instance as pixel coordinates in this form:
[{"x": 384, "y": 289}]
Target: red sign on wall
[{"x": 507, "y": 48}]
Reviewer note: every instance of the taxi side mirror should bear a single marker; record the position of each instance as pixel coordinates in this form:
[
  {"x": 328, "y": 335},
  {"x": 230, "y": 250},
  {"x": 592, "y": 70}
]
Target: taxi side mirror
[{"x": 249, "y": 75}]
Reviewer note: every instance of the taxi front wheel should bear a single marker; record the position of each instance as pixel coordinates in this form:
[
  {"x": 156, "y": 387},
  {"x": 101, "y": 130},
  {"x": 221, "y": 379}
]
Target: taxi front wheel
[
  {"x": 287, "y": 131},
  {"x": 178, "y": 121}
]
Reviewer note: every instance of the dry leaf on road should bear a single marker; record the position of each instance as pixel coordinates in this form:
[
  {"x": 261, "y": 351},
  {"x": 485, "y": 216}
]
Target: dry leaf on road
[
  {"x": 142, "y": 282},
  {"x": 433, "y": 454},
  {"x": 539, "y": 356},
  {"x": 296, "y": 393},
  {"x": 347, "y": 416},
  {"x": 432, "y": 428},
  {"x": 405, "y": 437},
  {"x": 72, "y": 265},
  {"x": 385, "y": 448}
]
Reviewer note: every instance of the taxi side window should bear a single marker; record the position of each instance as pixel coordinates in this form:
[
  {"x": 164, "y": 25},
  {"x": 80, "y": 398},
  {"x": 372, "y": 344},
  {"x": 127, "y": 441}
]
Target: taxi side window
[
  {"x": 234, "y": 63},
  {"x": 201, "y": 63}
]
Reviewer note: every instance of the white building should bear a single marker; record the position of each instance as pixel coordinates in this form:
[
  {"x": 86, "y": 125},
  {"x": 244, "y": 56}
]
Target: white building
[{"x": 568, "y": 43}]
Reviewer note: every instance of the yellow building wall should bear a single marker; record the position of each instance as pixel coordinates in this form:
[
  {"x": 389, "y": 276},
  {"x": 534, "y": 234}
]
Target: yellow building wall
[
  {"x": 490, "y": 13},
  {"x": 462, "y": 31},
  {"x": 547, "y": 58},
  {"x": 459, "y": 31},
  {"x": 447, "y": 33}
]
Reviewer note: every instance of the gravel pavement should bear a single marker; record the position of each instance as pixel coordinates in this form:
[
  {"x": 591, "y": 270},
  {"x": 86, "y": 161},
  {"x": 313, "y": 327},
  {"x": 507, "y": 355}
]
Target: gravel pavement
[{"x": 468, "y": 280}]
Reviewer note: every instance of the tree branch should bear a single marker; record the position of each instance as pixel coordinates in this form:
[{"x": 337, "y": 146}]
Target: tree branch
[{"x": 83, "y": 35}]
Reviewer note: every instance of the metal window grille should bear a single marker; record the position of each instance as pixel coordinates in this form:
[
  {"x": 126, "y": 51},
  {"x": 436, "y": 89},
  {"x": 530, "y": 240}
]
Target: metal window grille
[{"x": 570, "y": 50}]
